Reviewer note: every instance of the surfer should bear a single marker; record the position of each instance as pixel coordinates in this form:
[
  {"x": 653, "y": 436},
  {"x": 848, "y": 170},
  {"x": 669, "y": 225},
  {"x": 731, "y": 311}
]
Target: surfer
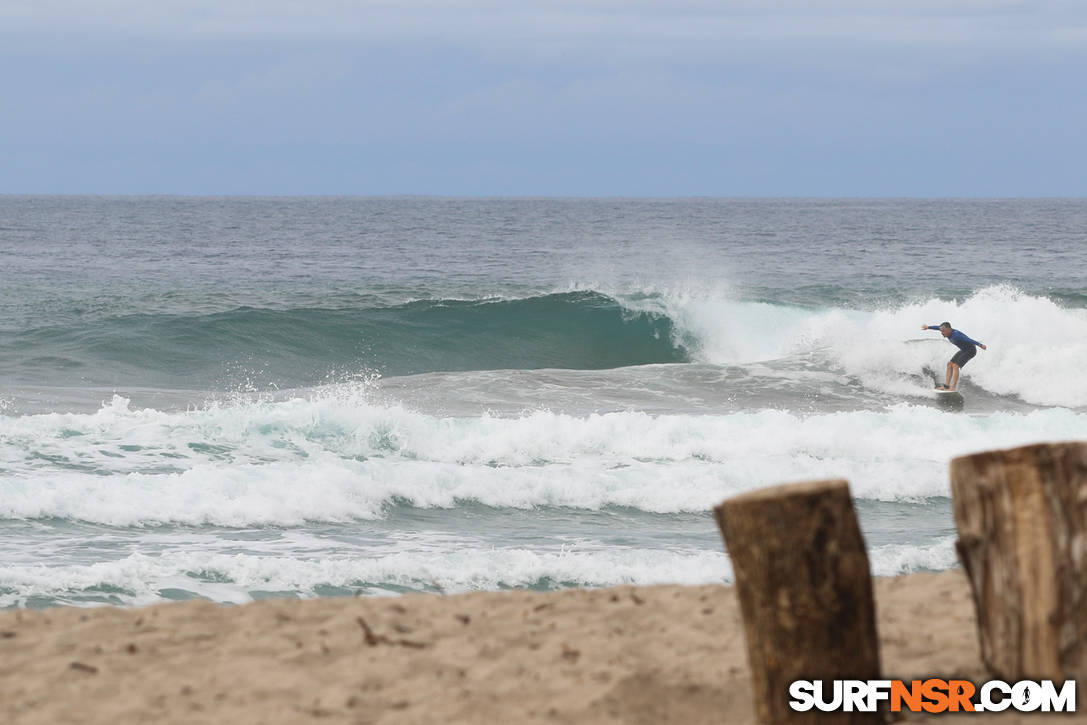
[{"x": 967, "y": 350}]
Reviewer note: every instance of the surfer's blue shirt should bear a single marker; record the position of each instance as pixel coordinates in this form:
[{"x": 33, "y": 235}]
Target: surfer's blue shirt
[{"x": 959, "y": 339}]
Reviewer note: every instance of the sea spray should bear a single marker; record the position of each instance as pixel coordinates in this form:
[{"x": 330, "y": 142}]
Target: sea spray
[{"x": 1038, "y": 347}]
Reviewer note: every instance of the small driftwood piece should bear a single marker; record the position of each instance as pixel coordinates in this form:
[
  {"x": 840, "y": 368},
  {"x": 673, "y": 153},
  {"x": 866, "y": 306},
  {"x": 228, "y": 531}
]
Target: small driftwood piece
[
  {"x": 805, "y": 593},
  {"x": 1022, "y": 521}
]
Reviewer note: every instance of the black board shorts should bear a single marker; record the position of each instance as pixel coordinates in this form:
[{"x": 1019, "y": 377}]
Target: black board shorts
[{"x": 964, "y": 356}]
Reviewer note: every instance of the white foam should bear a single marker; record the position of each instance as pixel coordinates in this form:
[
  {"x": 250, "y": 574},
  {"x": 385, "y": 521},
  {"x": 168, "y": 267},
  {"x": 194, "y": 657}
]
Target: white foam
[
  {"x": 234, "y": 577},
  {"x": 1037, "y": 348},
  {"x": 342, "y": 458},
  {"x": 138, "y": 579},
  {"x": 894, "y": 559}
]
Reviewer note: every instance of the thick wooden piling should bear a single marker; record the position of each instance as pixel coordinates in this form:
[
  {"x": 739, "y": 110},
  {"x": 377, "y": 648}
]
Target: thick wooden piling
[
  {"x": 805, "y": 591},
  {"x": 1022, "y": 521}
]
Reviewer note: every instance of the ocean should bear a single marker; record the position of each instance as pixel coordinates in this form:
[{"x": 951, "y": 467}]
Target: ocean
[{"x": 239, "y": 398}]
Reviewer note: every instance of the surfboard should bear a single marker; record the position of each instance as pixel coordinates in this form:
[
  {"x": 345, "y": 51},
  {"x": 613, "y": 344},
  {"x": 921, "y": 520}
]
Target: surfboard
[
  {"x": 949, "y": 399},
  {"x": 945, "y": 399}
]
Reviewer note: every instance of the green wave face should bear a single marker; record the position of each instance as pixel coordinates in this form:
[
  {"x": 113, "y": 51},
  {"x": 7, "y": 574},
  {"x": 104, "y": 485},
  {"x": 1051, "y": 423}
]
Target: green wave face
[{"x": 303, "y": 346}]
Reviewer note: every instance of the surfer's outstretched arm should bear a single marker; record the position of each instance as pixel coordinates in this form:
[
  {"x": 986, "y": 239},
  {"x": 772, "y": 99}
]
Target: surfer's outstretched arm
[{"x": 963, "y": 336}]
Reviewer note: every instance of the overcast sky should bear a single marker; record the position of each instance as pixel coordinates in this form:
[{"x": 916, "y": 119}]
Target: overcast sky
[{"x": 541, "y": 97}]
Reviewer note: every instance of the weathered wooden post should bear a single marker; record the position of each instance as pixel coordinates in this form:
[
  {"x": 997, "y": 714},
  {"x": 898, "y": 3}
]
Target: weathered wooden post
[
  {"x": 1022, "y": 521},
  {"x": 805, "y": 592}
]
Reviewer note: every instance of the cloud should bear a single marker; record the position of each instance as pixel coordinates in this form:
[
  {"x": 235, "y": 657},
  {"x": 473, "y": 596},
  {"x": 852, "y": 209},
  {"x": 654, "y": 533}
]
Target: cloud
[
  {"x": 558, "y": 27},
  {"x": 689, "y": 42},
  {"x": 757, "y": 77}
]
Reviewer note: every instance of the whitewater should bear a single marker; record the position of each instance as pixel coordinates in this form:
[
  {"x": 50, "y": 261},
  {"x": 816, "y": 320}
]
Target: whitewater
[{"x": 241, "y": 398}]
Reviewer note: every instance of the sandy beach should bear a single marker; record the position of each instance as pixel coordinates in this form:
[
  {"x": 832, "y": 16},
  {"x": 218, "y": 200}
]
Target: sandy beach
[{"x": 622, "y": 655}]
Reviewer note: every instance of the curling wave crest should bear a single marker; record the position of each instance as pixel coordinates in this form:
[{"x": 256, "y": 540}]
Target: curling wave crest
[{"x": 1037, "y": 346}]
